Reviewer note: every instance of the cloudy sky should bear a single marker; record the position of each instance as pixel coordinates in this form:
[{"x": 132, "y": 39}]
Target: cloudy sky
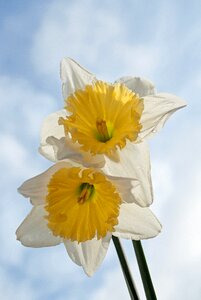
[{"x": 158, "y": 40}]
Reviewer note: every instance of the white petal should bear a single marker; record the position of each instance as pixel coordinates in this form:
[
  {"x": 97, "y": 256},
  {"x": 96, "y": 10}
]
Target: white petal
[
  {"x": 74, "y": 77},
  {"x": 56, "y": 146},
  {"x": 36, "y": 187},
  {"x": 33, "y": 232},
  {"x": 138, "y": 85},
  {"x": 63, "y": 148},
  {"x": 134, "y": 163},
  {"x": 94, "y": 161},
  {"x": 50, "y": 127},
  {"x": 89, "y": 254},
  {"x": 124, "y": 187},
  {"x": 157, "y": 109},
  {"x": 136, "y": 223}
]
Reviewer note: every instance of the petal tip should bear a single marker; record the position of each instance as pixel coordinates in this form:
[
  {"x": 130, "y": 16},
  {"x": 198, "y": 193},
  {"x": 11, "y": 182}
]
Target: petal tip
[
  {"x": 21, "y": 190},
  {"x": 89, "y": 273}
]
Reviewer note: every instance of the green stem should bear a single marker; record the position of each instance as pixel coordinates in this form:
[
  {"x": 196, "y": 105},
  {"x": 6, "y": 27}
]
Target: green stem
[
  {"x": 125, "y": 269},
  {"x": 144, "y": 271}
]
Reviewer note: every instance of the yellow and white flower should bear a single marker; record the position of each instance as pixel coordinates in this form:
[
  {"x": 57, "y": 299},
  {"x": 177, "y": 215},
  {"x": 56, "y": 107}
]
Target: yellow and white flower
[
  {"x": 82, "y": 208},
  {"x": 105, "y": 125}
]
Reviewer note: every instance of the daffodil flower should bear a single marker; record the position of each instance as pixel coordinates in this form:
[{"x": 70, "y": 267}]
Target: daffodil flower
[
  {"x": 105, "y": 125},
  {"x": 82, "y": 208}
]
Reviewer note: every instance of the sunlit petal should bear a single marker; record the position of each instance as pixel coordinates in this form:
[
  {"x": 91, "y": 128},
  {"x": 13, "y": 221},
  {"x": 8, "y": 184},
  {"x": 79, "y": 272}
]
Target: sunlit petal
[
  {"x": 157, "y": 110},
  {"x": 89, "y": 254},
  {"x": 136, "y": 223},
  {"x": 138, "y": 85},
  {"x": 51, "y": 128},
  {"x": 134, "y": 163},
  {"x": 73, "y": 76},
  {"x": 36, "y": 187},
  {"x": 34, "y": 232}
]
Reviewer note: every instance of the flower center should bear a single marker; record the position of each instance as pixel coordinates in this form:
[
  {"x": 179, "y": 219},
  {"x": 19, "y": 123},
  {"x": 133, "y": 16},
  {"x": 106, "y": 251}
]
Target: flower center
[
  {"x": 103, "y": 132},
  {"x": 103, "y": 117},
  {"x": 81, "y": 204},
  {"x": 86, "y": 192}
]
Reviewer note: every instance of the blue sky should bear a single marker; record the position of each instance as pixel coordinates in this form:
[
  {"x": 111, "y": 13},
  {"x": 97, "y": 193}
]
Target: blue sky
[{"x": 158, "y": 40}]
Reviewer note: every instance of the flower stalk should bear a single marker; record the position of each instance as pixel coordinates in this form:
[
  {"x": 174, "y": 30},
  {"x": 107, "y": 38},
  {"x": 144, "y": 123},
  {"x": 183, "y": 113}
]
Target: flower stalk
[
  {"x": 127, "y": 275},
  {"x": 144, "y": 271}
]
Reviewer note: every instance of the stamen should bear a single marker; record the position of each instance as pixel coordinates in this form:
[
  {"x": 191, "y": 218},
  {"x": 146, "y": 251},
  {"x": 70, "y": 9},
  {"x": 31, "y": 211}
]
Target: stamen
[
  {"x": 103, "y": 133},
  {"x": 86, "y": 192}
]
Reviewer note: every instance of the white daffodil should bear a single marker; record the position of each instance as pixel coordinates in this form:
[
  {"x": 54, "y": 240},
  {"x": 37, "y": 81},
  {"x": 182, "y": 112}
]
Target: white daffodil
[
  {"x": 82, "y": 208},
  {"x": 104, "y": 125}
]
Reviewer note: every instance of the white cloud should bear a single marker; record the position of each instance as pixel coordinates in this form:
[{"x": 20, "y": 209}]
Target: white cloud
[
  {"x": 162, "y": 182},
  {"x": 112, "y": 287},
  {"x": 95, "y": 37},
  {"x": 22, "y": 106},
  {"x": 22, "y": 109},
  {"x": 189, "y": 225},
  {"x": 15, "y": 290},
  {"x": 177, "y": 202},
  {"x": 78, "y": 29},
  {"x": 55, "y": 259},
  {"x": 12, "y": 153},
  {"x": 11, "y": 253}
]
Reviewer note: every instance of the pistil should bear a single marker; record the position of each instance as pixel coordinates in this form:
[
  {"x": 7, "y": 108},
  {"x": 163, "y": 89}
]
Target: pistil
[
  {"x": 102, "y": 130},
  {"x": 86, "y": 192}
]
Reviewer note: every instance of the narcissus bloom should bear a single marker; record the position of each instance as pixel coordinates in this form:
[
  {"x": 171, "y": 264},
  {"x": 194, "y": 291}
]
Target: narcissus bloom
[
  {"x": 82, "y": 208},
  {"x": 104, "y": 124}
]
